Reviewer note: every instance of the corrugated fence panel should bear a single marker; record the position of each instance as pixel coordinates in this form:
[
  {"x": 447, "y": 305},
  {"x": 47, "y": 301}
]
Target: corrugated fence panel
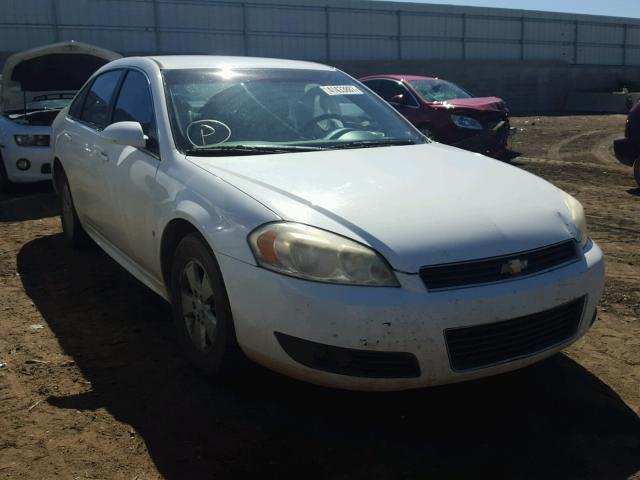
[
  {"x": 597, "y": 33},
  {"x": 321, "y": 30},
  {"x": 431, "y": 26},
  {"x": 355, "y": 22},
  {"x": 16, "y": 39},
  {"x": 548, "y": 52},
  {"x": 184, "y": 42},
  {"x": 493, "y": 50},
  {"x": 601, "y": 55},
  {"x": 186, "y": 16},
  {"x": 363, "y": 49},
  {"x": 286, "y": 20},
  {"x": 431, "y": 50},
  {"x": 25, "y": 11},
  {"x": 536, "y": 30},
  {"x": 114, "y": 13},
  {"x": 313, "y": 48},
  {"x": 118, "y": 40},
  {"x": 493, "y": 28}
]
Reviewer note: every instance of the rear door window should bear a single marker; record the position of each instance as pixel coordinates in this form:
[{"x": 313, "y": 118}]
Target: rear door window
[{"x": 98, "y": 100}]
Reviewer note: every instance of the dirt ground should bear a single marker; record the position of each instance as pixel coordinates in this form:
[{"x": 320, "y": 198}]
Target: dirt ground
[{"x": 94, "y": 386}]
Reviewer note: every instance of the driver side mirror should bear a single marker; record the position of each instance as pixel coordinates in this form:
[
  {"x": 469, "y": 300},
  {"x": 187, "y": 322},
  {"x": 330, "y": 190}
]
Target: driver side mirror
[
  {"x": 125, "y": 133},
  {"x": 399, "y": 99}
]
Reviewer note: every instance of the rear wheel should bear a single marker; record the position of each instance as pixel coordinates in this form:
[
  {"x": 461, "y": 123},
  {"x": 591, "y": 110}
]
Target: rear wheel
[
  {"x": 201, "y": 311},
  {"x": 636, "y": 171},
  {"x": 71, "y": 226}
]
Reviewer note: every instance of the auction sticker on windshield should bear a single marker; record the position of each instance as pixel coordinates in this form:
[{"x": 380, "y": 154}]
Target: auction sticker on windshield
[{"x": 341, "y": 90}]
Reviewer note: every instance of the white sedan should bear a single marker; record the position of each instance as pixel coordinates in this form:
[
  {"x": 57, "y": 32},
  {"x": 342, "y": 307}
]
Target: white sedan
[{"x": 291, "y": 216}]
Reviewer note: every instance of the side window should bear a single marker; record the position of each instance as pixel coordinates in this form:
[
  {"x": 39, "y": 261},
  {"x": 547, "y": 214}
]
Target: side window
[
  {"x": 76, "y": 105},
  {"x": 387, "y": 89},
  {"x": 98, "y": 100},
  {"x": 134, "y": 105}
]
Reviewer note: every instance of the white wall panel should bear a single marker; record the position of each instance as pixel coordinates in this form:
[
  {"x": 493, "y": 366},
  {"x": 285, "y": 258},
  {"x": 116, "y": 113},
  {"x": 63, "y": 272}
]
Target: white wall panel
[
  {"x": 117, "y": 13},
  {"x": 493, "y": 51},
  {"x": 25, "y": 11},
  {"x": 436, "y": 26},
  {"x": 313, "y": 48},
  {"x": 269, "y": 19},
  {"x": 549, "y": 31},
  {"x": 117, "y": 40},
  {"x": 363, "y": 49},
  {"x": 494, "y": 28},
  {"x": 431, "y": 50},
  {"x": 364, "y": 23},
  {"x": 201, "y": 43}
]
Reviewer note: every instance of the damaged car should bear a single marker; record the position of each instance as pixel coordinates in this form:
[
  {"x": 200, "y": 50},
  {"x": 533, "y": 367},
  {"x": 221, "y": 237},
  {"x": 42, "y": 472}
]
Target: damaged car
[
  {"x": 36, "y": 85},
  {"x": 445, "y": 112},
  {"x": 290, "y": 215}
]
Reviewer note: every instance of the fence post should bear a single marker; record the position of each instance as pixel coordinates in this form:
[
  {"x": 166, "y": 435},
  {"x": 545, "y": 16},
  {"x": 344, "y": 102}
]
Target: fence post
[
  {"x": 54, "y": 13},
  {"x": 245, "y": 30},
  {"x": 522, "y": 32},
  {"x": 464, "y": 36},
  {"x": 327, "y": 33},
  {"x": 625, "y": 44},
  {"x": 156, "y": 32},
  {"x": 399, "y": 32},
  {"x": 576, "y": 26}
]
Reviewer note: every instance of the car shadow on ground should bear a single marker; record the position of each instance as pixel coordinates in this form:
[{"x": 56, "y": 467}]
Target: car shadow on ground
[
  {"x": 28, "y": 202},
  {"x": 634, "y": 191},
  {"x": 553, "y": 420}
]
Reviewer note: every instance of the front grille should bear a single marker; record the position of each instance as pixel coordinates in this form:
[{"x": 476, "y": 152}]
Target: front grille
[
  {"x": 495, "y": 269},
  {"x": 347, "y": 361},
  {"x": 494, "y": 343}
]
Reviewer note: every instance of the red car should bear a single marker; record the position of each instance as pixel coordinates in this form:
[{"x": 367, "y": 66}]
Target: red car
[{"x": 445, "y": 112}]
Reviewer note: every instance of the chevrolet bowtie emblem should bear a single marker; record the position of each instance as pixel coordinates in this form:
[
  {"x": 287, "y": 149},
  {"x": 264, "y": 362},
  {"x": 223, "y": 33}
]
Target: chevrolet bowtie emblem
[{"x": 515, "y": 266}]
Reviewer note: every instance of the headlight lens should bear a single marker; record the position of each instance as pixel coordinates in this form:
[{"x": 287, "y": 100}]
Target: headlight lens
[
  {"x": 32, "y": 140},
  {"x": 314, "y": 254},
  {"x": 578, "y": 217},
  {"x": 466, "y": 122}
]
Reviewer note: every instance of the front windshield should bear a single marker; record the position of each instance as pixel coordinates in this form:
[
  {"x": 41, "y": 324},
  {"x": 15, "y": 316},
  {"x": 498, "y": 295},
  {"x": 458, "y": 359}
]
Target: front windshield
[
  {"x": 213, "y": 109},
  {"x": 434, "y": 90}
]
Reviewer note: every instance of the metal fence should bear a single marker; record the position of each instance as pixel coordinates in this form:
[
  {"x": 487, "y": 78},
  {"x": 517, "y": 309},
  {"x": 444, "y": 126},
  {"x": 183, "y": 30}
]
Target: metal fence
[{"x": 328, "y": 30}]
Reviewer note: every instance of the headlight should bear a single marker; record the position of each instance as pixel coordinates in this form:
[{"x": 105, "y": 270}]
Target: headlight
[
  {"x": 314, "y": 254},
  {"x": 577, "y": 216},
  {"x": 466, "y": 122},
  {"x": 32, "y": 140}
]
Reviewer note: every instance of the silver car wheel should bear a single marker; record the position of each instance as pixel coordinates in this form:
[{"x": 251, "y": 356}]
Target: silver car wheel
[{"x": 198, "y": 310}]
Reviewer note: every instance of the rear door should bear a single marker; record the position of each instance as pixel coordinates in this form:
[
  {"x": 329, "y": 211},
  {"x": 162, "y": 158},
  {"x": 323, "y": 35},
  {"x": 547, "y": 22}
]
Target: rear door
[
  {"x": 84, "y": 161},
  {"x": 130, "y": 174}
]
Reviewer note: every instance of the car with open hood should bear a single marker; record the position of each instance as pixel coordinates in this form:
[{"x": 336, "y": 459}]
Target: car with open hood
[
  {"x": 445, "y": 112},
  {"x": 35, "y": 85},
  {"x": 291, "y": 216}
]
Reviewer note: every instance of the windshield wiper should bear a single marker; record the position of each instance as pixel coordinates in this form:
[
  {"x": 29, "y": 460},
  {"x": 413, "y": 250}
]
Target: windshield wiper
[
  {"x": 249, "y": 150},
  {"x": 373, "y": 143}
]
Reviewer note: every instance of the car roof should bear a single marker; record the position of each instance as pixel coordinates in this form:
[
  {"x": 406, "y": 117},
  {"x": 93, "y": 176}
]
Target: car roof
[
  {"x": 171, "y": 62},
  {"x": 398, "y": 77}
]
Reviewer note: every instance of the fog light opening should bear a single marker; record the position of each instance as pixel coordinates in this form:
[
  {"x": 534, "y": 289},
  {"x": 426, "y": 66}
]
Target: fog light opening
[{"x": 23, "y": 164}]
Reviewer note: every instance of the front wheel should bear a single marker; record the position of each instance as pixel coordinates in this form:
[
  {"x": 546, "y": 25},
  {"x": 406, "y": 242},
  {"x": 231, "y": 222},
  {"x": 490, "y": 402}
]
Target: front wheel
[
  {"x": 636, "y": 171},
  {"x": 71, "y": 226},
  {"x": 201, "y": 311}
]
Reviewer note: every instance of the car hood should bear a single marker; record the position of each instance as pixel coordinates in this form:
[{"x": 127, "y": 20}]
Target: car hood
[
  {"x": 417, "y": 205},
  {"x": 481, "y": 103}
]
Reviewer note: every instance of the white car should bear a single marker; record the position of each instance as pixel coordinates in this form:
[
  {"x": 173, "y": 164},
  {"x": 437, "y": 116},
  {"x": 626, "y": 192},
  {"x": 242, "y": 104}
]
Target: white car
[
  {"x": 290, "y": 214},
  {"x": 34, "y": 86}
]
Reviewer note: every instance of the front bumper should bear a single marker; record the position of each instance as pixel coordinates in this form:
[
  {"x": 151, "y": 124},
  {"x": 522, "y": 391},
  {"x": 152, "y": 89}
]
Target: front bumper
[
  {"x": 409, "y": 319},
  {"x": 626, "y": 151},
  {"x": 39, "y": 157},
  {"x": 488, "y": 140}
]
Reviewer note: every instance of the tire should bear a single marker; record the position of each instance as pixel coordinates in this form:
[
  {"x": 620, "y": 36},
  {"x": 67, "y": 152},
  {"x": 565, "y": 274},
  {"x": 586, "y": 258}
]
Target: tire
[
  {"x": 5, "y": 184},
  {"x": 636, "y": 171},
  {"x": 73, "y": 230},
  {"x": 201, "y": 311}
]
